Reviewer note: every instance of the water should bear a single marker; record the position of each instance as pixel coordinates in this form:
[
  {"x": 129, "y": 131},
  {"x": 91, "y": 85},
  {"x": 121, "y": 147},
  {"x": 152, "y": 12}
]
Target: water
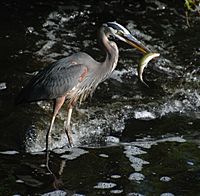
[{"x": 129, "y": 140}]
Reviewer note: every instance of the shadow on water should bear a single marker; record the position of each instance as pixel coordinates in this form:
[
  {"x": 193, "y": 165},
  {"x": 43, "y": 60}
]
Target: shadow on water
[{"x": 130, "y": 140}]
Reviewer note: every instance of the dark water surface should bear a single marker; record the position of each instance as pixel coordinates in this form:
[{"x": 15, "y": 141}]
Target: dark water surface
[{"x": 130, "y": 140}]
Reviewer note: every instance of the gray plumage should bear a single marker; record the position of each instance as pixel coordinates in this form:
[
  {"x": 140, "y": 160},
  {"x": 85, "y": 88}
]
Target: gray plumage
[{"x": 55, "y": 80}]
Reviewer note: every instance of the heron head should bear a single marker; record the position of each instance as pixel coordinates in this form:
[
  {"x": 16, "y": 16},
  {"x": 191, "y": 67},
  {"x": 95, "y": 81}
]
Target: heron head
[{"x": 124, "y": 35}]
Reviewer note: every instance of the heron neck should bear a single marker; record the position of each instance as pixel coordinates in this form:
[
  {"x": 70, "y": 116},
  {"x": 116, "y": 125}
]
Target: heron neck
[
  {"x": 112, "y": 53},
  {"x": 111, "y": 61}
]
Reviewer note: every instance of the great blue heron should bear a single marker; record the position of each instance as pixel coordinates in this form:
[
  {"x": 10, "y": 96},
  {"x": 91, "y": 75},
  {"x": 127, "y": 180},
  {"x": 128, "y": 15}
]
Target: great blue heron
[{"x": 75, "y": 77}]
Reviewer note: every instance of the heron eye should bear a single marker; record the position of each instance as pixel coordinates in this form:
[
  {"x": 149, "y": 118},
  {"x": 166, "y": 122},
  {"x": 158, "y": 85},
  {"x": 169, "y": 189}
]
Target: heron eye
[{"x": 120, "y": 32}]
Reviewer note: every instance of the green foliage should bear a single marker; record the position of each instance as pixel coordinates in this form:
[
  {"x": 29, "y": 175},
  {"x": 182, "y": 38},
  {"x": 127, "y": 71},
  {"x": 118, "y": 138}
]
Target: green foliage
[{"x": 192, "y": 5}]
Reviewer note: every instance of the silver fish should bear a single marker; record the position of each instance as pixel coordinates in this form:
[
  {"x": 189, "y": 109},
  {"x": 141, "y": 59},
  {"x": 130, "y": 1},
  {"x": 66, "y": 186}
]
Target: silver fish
[{"x": 143, "y": 63}]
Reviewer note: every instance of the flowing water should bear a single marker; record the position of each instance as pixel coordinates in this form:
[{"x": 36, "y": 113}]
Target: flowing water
[{"x": 129, "y": 139}]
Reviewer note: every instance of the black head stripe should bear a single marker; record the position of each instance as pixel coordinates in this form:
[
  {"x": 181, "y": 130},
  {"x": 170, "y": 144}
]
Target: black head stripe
[{"x": 118, "y": 27}]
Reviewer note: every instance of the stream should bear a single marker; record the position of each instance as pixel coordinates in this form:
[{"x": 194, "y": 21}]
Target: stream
[{"x": 129, "y": 139}]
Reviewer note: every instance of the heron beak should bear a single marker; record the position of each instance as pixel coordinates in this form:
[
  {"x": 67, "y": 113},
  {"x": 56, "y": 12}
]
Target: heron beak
[
  {"x": 124, "y": 35},
  {"x": 131, "y": 40}
]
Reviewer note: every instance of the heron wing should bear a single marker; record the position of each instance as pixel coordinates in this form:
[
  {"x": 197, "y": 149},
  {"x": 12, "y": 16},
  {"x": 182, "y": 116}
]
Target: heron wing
[{"x": 54, "y": 81}]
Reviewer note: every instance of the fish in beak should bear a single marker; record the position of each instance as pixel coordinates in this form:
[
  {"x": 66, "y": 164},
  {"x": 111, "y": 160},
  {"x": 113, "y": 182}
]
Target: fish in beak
[{"x": 143, "y": 63}]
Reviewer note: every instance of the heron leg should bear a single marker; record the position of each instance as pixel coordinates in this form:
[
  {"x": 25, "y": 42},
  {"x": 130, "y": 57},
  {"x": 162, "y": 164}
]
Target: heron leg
[
  {"x": 68, "y": 127},
  {"x": 57, "y": 105},
  {"x": 48, "y": 141}
]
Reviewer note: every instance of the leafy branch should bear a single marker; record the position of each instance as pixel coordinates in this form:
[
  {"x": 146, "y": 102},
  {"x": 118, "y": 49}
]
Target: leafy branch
[{"x": 192, "y": 6}]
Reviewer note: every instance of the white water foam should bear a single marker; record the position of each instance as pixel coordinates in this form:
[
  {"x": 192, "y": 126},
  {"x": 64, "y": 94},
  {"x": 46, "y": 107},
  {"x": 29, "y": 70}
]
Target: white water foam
[
  {"x": 10, "y": 152},
  {"x": 132, "y": 149},
  {"x": 137, "y": 177},
  {"x": 105, "y": 185},
  {"x": 55, "y": 193}
]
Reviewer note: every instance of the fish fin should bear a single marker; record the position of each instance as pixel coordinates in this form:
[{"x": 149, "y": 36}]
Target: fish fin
[{"x": 145, "y": 83}]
